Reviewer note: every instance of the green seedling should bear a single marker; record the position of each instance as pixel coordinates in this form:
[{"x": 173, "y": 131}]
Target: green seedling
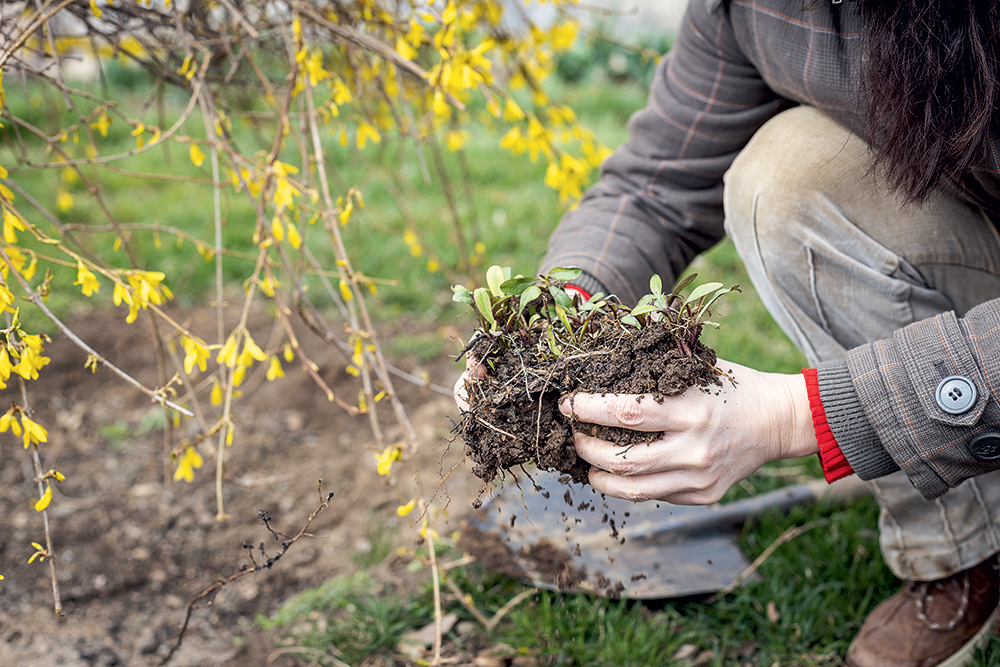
[{"x": 539, "y": 311}]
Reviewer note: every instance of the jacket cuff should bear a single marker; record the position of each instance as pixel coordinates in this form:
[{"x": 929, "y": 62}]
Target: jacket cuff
[
  {"x": 831, "y": 457},
  {"x": 849, "y": 425},
  {"x": 899, "y": 382},
  {"x": 588, "y": 285}
]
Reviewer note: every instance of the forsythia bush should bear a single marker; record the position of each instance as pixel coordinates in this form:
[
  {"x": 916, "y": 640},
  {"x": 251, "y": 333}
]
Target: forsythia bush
[{"x": 324, "y": 77}]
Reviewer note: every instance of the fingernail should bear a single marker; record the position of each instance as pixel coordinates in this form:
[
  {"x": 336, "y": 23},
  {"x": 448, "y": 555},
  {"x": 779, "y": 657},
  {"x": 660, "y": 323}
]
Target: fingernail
[{"x": 566, "y": 407}]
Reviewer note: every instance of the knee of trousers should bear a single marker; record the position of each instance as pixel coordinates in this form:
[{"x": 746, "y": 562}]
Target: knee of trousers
[
  {"x": 789, "y": 200},
  {"x": 794, "y": 169}
]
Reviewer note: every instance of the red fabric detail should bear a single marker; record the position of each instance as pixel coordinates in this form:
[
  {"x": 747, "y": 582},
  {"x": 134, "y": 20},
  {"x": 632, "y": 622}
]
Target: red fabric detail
[
  {"x": 831, "y": 457},
  {"x": 579, "y": 290}
]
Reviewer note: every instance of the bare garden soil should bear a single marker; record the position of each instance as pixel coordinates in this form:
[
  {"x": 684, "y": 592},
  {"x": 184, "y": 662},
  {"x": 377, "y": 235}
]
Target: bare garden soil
[{"x": 133, "y": 549}]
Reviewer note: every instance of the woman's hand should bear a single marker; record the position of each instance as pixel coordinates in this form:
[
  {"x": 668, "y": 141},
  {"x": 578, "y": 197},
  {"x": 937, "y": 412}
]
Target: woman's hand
[
  {"x": 473, "y": 371},
  {"x": 711, "y": 437}
]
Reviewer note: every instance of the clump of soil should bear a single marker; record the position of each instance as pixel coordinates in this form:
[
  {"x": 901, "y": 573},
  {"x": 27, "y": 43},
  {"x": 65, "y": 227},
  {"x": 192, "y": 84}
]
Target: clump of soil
[{"x": 513, "y": 416}]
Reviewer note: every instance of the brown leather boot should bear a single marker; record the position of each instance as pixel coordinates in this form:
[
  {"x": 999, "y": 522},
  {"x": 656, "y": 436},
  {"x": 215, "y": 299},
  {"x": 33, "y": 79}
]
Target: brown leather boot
[{"x": 931, "y": 623}]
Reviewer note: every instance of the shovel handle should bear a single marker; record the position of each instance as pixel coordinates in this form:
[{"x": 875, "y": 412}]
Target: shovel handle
[{"x": 736, "y": 513}]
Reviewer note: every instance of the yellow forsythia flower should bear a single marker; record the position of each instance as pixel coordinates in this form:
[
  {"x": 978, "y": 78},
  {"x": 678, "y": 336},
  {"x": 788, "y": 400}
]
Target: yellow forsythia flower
[
  {"x": 10, "y": 223},
  {"x": 385, "y": 459},
  {"x": 251, "y": 352},
  {"x": 405, "y": 49},
  {"x": 216, "y": 392},
  {"x": 195, "y": 354},
  {"x": 34, "y": 341},
  {"x": 121, "y": 294},
  {"x": 5, "y": 366},
  {"x": 403, "y": 510},
  {"x": 86, "y": 279},
  {"x": 44, "y": 501},
  {"x": 64, "y": 200},
  {"x": 455, "y": 139},
  {"x": 6, "y": 298},
  {"x": 275, "y": 371},
  {"x": 197, "y": 156},
  {"x": 227, "y": 355},
  {"x": 426, "y": 530},
  {"x": 41, "y": 553},
  {"x": 366, "y": 132},
  {"x": 102, "y": 124},
  {"x": 7, "y": 421},
  {"x": 185, "y": 468},
  {"x": 31, "y": 362},
  {"x": 294, "y": 237},
  {"x": 239, "y": 374},
  {"x": 34, "y": 433},
  {"x": 277, "y": 229}
]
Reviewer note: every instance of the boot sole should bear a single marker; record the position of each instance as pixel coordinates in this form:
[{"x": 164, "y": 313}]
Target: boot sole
[{"x": 964, "y": 655}]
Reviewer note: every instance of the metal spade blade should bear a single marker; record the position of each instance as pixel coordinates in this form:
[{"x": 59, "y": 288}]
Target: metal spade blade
[{"x": 569, "y": 538}]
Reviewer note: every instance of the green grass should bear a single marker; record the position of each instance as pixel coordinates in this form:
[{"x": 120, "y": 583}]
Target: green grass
[{"x": 810, "y": 597}]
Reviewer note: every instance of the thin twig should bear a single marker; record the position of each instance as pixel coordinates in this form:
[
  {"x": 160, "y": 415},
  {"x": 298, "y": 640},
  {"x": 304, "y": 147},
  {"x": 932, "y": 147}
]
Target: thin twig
[
  {"x": 30, "y": 30},
  {"x": 789, "y": 534},
  {"x": 436, "y": 582},
  {"x": 494, "y": 428},
  {"x": 50, "y": 552},
  {"x": 513, "y": 602},
  {"x": 257, "y": 567},
  {"x": 465, "y": 603}
]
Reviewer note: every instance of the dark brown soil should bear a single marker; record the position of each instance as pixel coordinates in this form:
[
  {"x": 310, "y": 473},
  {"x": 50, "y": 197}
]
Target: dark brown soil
[
  {"x": 134, "y": 548},
  {"x": 514, "y": 419}
]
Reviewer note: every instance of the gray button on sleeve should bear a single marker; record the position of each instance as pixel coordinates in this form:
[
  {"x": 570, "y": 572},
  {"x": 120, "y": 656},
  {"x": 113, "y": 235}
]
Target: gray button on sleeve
[{"x": 956, "y": 395}]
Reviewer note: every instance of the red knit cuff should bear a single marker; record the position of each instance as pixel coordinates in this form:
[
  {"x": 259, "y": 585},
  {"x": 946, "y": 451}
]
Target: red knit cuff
[
  {"x": 579, "y": 290},
  {"x": 831, "y": 457}
]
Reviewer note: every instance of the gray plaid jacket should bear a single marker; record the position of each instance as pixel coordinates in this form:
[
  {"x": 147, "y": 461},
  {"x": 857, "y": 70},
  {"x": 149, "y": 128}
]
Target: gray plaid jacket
[{"x": 659, "y": 203}]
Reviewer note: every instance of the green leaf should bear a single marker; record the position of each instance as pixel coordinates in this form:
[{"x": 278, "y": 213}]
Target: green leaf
[
  {"x": 561, "y": 312},
  {"x": 563, "y": 299},
  {"x": 494, "y": 279},
  {"x": 485, "y": 306},
  {"x": 642, "y": 309},
  {"x": 517, "y": 285},
  {"x": 683, "y": 282},
  {"x": 631, "y": 321},
  {"x": 702, "y": 290},
  {"x": 461, "y": 294},
  {"x": 565, "y": 275},
  {"x": 553, "y": 345},
  {"x": 529, "y": 295},
  {"x": 646, "y": 299},
  {"x": 706, "y": 309},
  {"x": 655, "y": 285}
]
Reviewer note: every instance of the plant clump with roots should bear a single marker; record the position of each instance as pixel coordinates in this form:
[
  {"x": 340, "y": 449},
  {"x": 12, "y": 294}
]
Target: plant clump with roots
[{"x": 538, "y": 342}]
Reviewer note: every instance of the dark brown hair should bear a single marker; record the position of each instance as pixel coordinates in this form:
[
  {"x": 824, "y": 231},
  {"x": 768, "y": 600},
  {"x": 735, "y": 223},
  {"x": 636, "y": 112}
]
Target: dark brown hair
[{"x": 931, "y": 80}]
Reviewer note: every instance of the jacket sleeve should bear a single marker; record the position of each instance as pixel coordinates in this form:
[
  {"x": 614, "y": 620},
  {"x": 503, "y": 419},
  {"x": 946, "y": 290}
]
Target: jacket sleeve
[
  {"x": 925, "y": 400},
  {"x": 658, "y": 202}
]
